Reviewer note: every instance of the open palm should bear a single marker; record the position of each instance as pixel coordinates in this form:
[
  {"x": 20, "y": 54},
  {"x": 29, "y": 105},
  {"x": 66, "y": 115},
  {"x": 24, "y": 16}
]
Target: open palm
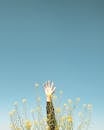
[{"x": 49, "y": 88}]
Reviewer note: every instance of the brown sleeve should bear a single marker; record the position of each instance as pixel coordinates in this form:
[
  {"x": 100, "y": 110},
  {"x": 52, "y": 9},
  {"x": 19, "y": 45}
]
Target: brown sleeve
[{"x": 51, "y": 121}]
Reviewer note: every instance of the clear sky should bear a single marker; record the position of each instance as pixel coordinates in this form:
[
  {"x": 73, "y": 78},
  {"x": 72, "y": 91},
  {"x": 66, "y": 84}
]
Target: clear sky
[{"x": 59, "y": 40}]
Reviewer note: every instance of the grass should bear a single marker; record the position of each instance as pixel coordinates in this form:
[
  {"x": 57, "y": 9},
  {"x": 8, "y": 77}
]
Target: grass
[{"x": 69, "y": 116}]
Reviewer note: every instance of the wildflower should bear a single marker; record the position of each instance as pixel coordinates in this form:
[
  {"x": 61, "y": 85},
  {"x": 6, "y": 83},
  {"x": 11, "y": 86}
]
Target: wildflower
[
  {"x": 36, "y": 85},
  {"x": 57, "y": 128},
  {"x": 35, "y": 122},
  {"x": 89, "y": 106},
  {"x": 18, "y": 128},
  {"x": 14, "y": 111},
  {"x": 58, "y": 110},
  {"x": 12, "y": 126},
  {"x": 84, "y": 105},
  {"x": 65, "y": 105},
  {"x": 15, "y": 103},
  {"x": 63, "y": 118},
  {"x": 69, "y": 118},
  {"x": 69, "y": 101},
  {"x": 80, "y": 126},
  {"x": 32, "y": 111},
  {"x": 54, "y": 97},
  {"x": 38, "y": 109},
  {"x": 80, "y": 114},
  {"x": 28, "y": 124},
  {"x": 11, "y": 113},
  {"x": 78, "y": 99},
  {"x": 61, "y": 92},
  {"x": 24, "y": 100}
]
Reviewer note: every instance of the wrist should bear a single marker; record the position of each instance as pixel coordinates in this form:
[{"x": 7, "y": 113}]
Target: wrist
[{"x": 49, "y": 98}]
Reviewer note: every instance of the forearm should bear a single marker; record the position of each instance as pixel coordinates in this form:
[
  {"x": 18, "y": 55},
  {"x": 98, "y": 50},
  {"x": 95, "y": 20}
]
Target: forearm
[
  {"x": 51, "y": 121},
  {"x": 49, "y": 90}
]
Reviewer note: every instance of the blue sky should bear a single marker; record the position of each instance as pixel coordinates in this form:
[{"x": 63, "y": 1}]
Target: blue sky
[{"x": 52, "y": 40}]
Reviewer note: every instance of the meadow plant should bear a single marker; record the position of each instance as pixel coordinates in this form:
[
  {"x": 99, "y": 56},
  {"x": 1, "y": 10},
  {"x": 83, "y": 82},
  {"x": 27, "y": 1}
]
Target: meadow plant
[{"x": 69, "y": 116}]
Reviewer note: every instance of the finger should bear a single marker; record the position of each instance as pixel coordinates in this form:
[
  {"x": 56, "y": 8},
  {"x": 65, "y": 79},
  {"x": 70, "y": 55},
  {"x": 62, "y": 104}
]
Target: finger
[
  {"x": 52, "y": 84},
  {"x": 48, "y": 83},
  {"x": 53, "y": 90}
]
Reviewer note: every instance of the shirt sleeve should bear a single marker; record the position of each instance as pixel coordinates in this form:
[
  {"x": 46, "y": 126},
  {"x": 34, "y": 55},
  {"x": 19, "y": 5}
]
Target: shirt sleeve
[{"x": 51, "y": 121}]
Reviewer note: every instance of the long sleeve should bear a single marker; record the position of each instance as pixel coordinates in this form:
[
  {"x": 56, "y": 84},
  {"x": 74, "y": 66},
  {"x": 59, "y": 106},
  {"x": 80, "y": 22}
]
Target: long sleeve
[{"x": 51, "y": 121}]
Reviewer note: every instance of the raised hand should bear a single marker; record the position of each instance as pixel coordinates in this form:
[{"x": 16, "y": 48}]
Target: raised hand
[{"x": 49, "y": 90}]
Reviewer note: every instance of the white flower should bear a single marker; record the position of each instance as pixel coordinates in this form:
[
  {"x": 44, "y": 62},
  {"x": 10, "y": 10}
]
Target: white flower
[
  {"x": 61, "y": 92},
  {"x": 80, "y": 114},
  {"x": 36, "y": 85},
  {"x": 78, "y": 99},
  {"x": 89, "y": 106},
  {"x": 15, "y": 103},
  {"x": 32, "y": 111},
  {"x": 69, "y": 101},
  {"x": 24, "y": 100},
  {"x": 84, "y": 105}
]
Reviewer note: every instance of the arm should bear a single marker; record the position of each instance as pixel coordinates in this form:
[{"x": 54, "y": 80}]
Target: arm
[{"x": 49, "y": 90}]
